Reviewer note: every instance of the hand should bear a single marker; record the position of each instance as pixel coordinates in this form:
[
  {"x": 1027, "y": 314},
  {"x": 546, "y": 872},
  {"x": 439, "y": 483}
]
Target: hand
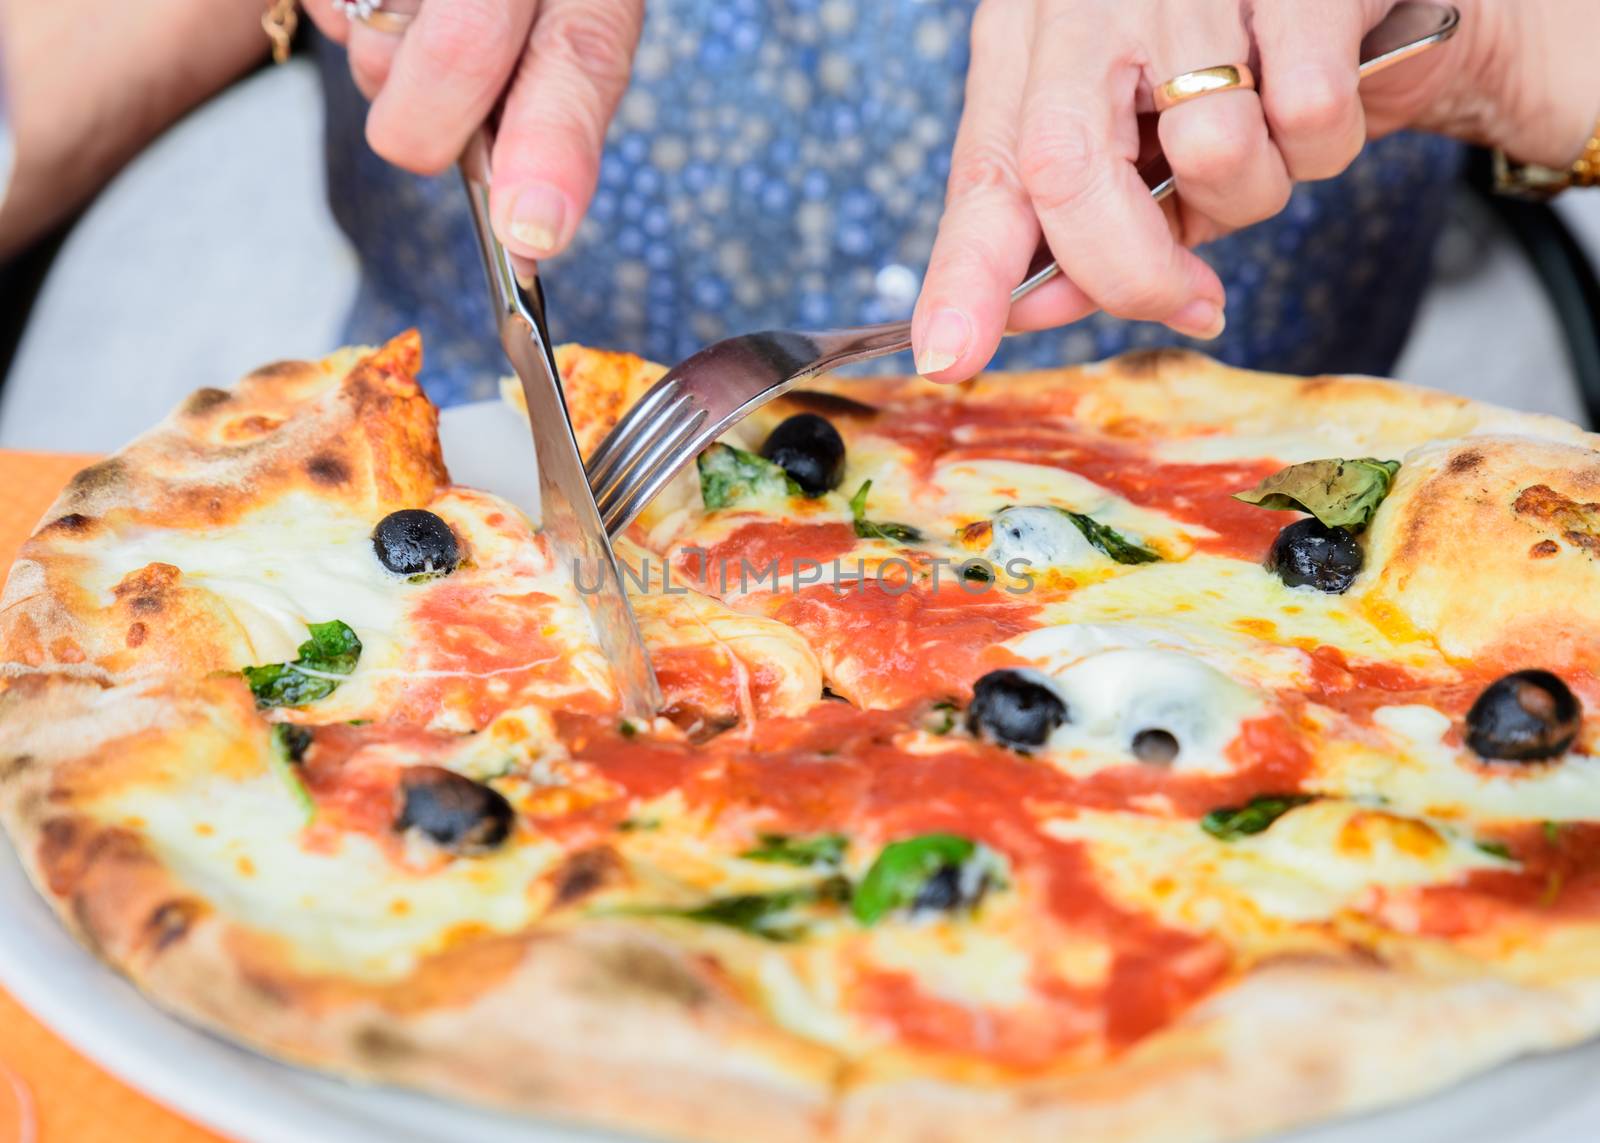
[
  {"x": 1051, "y": 135},
  {"x": 562, "y": 66}
]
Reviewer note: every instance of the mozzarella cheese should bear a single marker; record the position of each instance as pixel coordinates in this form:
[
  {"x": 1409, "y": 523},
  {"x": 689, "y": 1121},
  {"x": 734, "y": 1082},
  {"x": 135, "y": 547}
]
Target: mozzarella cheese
[
  {"x": 352, "y": 911},
  {"x": 1310, "y": 865}
]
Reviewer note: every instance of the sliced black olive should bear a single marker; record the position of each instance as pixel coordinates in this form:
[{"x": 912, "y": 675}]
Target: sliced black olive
[
  {"x": 1524, "y": 717},
  {"x": 1157, "y": 747},
  {"x": 810, "y": 450},
  {"x": 1308, "y": 553},
  {"x": 1014, "y": 710},
  {"x": 951, "y": 888},
  {"x": 414, "y": 541},
  {"x": 457, "y": 813}
]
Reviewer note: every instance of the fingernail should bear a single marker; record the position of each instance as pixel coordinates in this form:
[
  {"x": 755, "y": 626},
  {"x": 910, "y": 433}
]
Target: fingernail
[
  {"x": 537, "y": 217},
  {"x": 949, "y": 333},
  {"x": 1201, "y": 319}
]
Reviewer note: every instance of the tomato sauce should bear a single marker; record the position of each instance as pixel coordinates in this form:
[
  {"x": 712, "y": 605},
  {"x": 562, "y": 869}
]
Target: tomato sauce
[
  {"x": 899, "y": 642},
  {"x": 1559, "y": 879},
  {"x": 767, "y": 555},
  {"x": 1199, "y": 494},
  {"x": 483, "y": 651}
]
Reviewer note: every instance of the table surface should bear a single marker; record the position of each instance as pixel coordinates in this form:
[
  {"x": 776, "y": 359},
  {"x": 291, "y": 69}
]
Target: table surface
[{"x": 48, "y": 1092}]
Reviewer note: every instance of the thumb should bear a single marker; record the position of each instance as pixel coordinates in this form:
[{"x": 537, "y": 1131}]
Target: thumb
[{"x": 547, "y": 154}]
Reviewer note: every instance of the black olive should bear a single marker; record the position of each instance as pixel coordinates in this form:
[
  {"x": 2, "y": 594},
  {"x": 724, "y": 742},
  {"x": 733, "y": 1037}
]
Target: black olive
[
  {"x": 459, "y": 814},
  {"x": 1157, "y": 747},
  {"x": 1014, "y": 710},
  {"x": 810, "y": 450},
  {"x": 1524, "y": 717},
  {"x": 414, "y": 541},
  {"x": 951, "y": 887},
  {"x": 1308, "y": 553}
]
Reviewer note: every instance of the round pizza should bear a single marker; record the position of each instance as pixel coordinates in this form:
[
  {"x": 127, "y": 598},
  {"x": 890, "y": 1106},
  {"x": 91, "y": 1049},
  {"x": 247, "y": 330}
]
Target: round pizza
[{"x": 1148, "y": 751}]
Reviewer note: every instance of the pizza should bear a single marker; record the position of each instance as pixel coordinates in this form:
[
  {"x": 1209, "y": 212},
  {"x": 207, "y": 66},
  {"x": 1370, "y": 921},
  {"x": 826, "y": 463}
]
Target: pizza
[{"x": 1146, "y": 751}]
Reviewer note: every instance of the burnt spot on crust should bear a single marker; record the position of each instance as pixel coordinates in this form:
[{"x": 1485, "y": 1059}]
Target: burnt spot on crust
[
  {"x": 649, "y": 971},
  {"x": 1544, "y": 549},
  {"x": 202, "y": 401},
  {"x": 14, "y": 767},
  {"x": 72, "y": 524},
  {"x": 584, "y": 873},
  {"x": 1578, "y": 524},
  {"x": 1149, "y": 364},
  {"x": 136, "y": 634},
  {"x": 145, "y": 591},
  {"x": 170, "y": 922},
  {"x": 105, "y": 476},
  {"x": 250, "y": 428},
  {"x": 379, "y": 1045},
  {"x": 279, "y": 370},
  {"x": 1468, "y": 460},
  {"x": 327, "y": 469}
]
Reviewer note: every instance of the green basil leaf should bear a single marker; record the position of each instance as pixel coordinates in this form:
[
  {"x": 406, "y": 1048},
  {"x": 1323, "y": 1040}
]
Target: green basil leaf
[
  {"x": 941, "y": 718},
  {"x": 1235, "y": 822},
  {"x": 1110, "y": 541},
  {"x": 1494, "y": 849},
  {"x": 321, "y": 664},
  {"x": 728, "y": 474},
  {"x": 877, "y": 529},
  {"x": 898, "y": 875},
  {"x": 769, "y": 916},
  {"x": 1340, "y": 493},
  {"x": 825, "y": 849},
  {"x": 289, "y": 745}
]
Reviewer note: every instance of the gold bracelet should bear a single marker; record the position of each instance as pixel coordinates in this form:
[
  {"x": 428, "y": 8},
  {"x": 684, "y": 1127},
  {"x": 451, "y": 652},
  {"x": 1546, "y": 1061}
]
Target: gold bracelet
[{"x": 1531, "y": 181}]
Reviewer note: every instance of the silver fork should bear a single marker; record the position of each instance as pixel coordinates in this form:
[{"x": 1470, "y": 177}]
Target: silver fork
[{"x": 702, "y": 397}]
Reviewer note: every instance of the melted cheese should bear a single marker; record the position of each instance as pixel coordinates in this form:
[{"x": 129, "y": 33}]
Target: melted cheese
[
  {"x": 968, "y": 490},
  {"x": 354, "y": 911},
  {"x": 1215, "y": 594},
  {"x": 1418, "y": 772},
  {"x": 1313, "y": 863},
  {"x": 1114, "y": 695}
]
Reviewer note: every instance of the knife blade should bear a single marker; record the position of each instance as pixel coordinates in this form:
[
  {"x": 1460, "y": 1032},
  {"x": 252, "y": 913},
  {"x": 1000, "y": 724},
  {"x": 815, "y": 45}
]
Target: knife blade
[{"x": 568, "y": 515}]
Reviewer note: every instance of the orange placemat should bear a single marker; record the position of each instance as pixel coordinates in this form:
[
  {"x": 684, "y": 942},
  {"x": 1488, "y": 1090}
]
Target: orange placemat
[{"x": 48, "y": 1092}]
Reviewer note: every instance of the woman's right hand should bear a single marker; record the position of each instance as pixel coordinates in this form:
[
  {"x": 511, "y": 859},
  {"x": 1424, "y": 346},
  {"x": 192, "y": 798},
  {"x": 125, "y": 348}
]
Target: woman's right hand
[{"x": 562, "y": 66}]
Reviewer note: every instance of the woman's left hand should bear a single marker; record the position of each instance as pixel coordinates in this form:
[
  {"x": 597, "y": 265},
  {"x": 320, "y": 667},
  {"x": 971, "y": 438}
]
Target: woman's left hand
[{"x": 1050, "y": 138}]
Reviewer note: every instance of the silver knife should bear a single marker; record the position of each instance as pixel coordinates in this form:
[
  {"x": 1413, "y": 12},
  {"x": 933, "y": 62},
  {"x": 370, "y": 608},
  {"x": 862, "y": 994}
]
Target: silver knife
[{"x": 566, "y": 504}]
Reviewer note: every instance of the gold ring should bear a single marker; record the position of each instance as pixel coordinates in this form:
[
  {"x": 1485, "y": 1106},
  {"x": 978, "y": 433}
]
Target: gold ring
[
  {"x": 1206, "y": 81},
  {"x": 392, "y": 17}
]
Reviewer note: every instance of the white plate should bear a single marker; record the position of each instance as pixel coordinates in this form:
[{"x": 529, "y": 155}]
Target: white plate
[{"x": 1550, "y": 1099}]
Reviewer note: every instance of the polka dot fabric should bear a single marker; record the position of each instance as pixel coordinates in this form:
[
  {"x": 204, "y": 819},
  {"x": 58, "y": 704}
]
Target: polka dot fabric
[{"x": 782, "y": 163}]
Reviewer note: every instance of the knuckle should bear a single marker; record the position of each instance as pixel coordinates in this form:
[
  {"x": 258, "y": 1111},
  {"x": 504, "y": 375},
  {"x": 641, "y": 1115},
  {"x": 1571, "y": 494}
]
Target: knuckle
[
  {"x": 1058, "y": 163},
  {"x": 597, "y": 39},
  {"x": 1212, "y": 148},
  {"x": 1311, "y": 103},
  {"x": 460, "y": 38},
  {"x": 978, "y": 170},
  {"x": 1139, "y": 297}
]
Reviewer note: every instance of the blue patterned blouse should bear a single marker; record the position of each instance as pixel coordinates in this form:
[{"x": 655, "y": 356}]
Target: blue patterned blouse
[{"x": 782, "y": 163}]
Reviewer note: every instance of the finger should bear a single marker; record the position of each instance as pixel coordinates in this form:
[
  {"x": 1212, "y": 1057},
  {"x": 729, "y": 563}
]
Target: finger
[
  {"x": 371, "y": 55},
  {"x": 1310, "y": 56},
  {"x": 547, "y": 157},
  {"x": 1057, "y": 303},
  {"x": 449, "y": 71},
  {"x": 1078, "y": 146},
  {"x": 330, "y": 21},
  {"x": 988, "y": 232}
]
